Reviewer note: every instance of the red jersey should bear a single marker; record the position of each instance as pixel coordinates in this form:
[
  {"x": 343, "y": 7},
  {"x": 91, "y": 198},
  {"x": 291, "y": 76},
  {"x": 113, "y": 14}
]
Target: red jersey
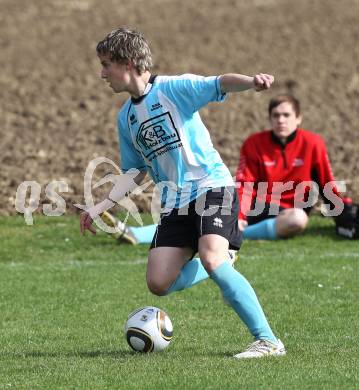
[{"x": 264, "y": 159}]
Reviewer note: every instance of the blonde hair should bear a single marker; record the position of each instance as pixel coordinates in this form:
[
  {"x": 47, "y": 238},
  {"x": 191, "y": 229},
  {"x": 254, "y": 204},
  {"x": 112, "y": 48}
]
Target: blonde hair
[{"x": 124, "y": 45}]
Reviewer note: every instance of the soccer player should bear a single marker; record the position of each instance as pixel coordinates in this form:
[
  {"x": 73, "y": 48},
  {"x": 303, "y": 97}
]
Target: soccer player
[
  {"x": 161, "y": 133},
  {"x": 287, "y": 160}
]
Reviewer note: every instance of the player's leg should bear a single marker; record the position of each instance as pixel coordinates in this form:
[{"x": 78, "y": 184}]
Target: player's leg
[
  {"x": 122, "y": 232},
  {"x": 217, "y": 232},
  {"x": 234, "y": 286},
  {"x": 164, "y": 267},
  {"x": 193, "y": 272},
  {"x": 288, "y": 223},
  {"x": 143, "y": 234},
  {"x": 130, "y": 234},
  {"x": 291, "y": 222},
  {"x": 262, "y": 225},
  {"x": 263, "y": 230},
  {"x": 185, "y": 274},
  {"x": 170, "y": 267}
]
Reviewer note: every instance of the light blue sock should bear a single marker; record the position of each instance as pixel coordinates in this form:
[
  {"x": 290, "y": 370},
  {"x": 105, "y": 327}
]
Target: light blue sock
[
  {"x": 264, "y": 230},
  {"x": 143, "y": 234},
  {"x": 192, "y": 273},
  {"x": 241, "y": 296}
]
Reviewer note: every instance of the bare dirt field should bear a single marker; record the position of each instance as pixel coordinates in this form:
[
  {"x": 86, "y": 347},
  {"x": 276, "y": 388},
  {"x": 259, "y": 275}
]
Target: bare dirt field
[{"x": 56, "y": 113}]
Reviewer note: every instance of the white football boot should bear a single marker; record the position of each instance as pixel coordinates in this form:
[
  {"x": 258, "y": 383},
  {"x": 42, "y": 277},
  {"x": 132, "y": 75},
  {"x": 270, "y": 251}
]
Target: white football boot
[
  {"x": 123, "y": 232},
  {"x": 232, "y": 256},
  {"x": 262, "y": 348}
]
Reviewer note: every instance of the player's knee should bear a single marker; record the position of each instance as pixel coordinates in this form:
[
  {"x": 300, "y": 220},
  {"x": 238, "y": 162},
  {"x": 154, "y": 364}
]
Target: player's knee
[
  {"x": 157, "y": 287},
  {"x": 299, "y": 220},
  {"x": 156, "y": 284},
  {"x": 292, "y": 222},
  {"x": 210, "y": 259}
]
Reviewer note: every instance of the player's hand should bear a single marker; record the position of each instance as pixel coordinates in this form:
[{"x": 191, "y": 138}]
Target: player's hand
[
  {"x": 86, "y": 223},
  {"x": 242, "y": 224},
  {"x": 262, "y": 81}
]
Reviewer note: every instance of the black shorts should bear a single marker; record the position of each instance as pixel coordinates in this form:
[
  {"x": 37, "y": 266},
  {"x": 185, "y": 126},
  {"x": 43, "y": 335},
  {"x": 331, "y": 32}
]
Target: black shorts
[
  {"x": 214, "y": 212},
  {"x": 265, "y": 214}
]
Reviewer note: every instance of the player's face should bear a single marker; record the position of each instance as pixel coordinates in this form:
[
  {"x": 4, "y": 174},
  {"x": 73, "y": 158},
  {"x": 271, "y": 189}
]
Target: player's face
[
  {"x": 284, "y": 120},
  {"x": 116, "y": 74}
]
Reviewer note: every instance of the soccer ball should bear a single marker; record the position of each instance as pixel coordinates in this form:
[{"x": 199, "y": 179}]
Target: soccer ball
[{"x": 148, "y": 329}]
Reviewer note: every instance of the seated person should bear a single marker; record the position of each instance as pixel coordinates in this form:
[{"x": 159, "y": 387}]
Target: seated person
[
  {"x": 286, "y": 161},
  {"x": 289, "y": 163}
]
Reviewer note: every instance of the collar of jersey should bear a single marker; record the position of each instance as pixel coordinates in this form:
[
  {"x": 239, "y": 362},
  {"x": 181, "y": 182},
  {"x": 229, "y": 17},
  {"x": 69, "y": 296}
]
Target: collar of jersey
[
  {"x": 147, "y": 89},
  {"x": 289, "y": 139}
]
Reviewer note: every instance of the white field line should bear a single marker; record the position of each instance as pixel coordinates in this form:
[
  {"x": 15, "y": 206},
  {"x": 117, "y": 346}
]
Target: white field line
[
  {"x": 323, "y": 255},
  {"x": 73, "y": 264}
]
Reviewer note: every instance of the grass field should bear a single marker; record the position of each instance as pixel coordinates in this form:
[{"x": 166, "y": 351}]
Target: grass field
[{"x": 64, "y": 300}]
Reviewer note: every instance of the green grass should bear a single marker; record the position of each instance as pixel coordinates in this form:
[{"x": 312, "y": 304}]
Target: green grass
[{"x": 64, "y": 300}]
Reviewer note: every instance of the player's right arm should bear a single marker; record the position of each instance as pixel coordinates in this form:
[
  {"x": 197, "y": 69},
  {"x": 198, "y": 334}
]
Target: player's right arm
[
  {"x": 134, "y": 172},
  {"x": 235, "y": 82},
  {"x": 125, "y": 183}
]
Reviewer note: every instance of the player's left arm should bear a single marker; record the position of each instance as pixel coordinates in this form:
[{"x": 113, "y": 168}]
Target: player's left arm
[
  {"x": 234, "y": 82},
  {"x": 322, "y": 174},
  {"x": 321, "y": 165}
]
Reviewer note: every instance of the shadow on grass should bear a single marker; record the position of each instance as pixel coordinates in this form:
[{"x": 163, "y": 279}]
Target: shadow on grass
[
  {"x": 325, "y": 231},
  {"x": 71, "y": 354},
  {"x": 206, "y": 353},
  {"x": 322, "y": 226},
  {"x": 117, "y": 354}
]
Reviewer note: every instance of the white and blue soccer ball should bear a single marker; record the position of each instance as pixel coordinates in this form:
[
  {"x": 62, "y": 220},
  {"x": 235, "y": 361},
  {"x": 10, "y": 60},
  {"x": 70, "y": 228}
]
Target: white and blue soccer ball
[{"x": 148, "y": 329}]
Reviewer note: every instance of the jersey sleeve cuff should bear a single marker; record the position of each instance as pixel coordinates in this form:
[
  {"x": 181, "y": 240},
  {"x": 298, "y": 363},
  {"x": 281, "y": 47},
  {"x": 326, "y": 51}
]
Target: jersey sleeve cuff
[{"x": 220, "y": 96}]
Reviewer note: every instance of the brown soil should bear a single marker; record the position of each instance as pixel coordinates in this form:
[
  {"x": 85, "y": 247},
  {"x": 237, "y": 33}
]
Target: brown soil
[{"x": 56, "y": 114}]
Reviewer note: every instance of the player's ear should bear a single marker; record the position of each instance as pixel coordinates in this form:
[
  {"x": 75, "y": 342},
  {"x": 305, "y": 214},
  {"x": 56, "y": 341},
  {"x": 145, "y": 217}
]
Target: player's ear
[
  {"x": 299, "y": 120},
  {"x": 130, "y": 65}
]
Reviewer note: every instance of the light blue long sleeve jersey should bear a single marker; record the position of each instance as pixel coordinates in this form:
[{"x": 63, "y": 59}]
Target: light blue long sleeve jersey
[{"x": 162, "y": 133}]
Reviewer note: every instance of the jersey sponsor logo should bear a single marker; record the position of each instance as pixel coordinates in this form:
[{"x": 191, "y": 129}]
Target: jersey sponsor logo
[
  {"x": 156, "y": 106},
  {"x": 269, "y": 163},
  {"x": 158, "y": 135},
  {"x": 298, "y": 162}
]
